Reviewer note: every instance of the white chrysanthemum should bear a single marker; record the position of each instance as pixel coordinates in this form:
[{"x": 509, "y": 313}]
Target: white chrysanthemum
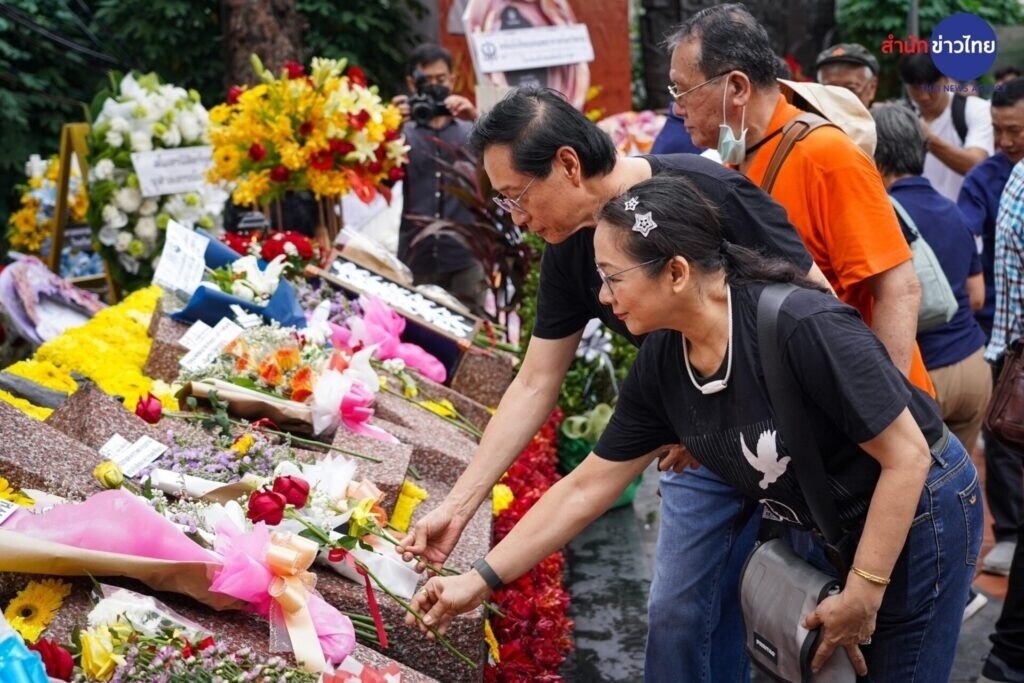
[
  {"x": 113, "y": 138},
  {"x": 171, "y": 138},
  {"x": 189, "y": 126},
  {"x": 146, "y": 230},
  {"x": 103, "y": 170},
  {"x": 119, "y": 124},
  {"x": 129, "y": 263},
  {"x": 142, "y": 141},
  {"x": 148, "y": 207},
  {"x": 108, "y": 235},
  {"x": 114, "y": 217},
  {"x": 124, "y": 238},
  {"x": 128, "y": 199}
]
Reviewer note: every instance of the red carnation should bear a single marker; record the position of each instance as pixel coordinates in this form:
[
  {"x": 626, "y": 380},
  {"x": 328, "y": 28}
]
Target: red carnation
[
  {"x": 149, "y": 409},
  {"x": 294, "y": 489},
  {"x": 342, "y": 147},
  {"x": 57, "y": 660},
  {"x": 295, "y": 70},
  {"x": 396, "y": 174},
  {"x": 306, "y": 128},
  {"x": 359, "y": 121},
  {"x": 266, "y": 506},
  {"x": 375, "y": 167},
  {"x": 257, "y": 152},
  {"x": 322, "y": 160},
  {"x": 279, "y": 174},
  {"x": 356, "y": 75},
  {"x": 390, "y": 135},
  {"x": 234, "y": 92}
]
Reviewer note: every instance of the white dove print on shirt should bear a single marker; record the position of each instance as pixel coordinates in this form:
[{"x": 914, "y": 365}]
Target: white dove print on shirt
[{"x": 767, "y": 460}]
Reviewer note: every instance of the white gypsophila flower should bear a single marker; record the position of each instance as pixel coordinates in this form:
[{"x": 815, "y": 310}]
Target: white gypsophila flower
[
  {"x": 113, "y": 138},
  {"x": 394, "y": 365},
  {"x": 124, "y": 238},
  {"x": 119, "y": 125},
  {"x": 114, "y": 217},
  {"x": 171, "y": 138},
  {"x": 128, "y": 199},
  {"x": 148, "y": 207},
  {"x": 108, "y": 235},
  {"x": 146, "y": 229},
  {"x": 103, "y": 170},
  {"x": 142, "y": 141}
]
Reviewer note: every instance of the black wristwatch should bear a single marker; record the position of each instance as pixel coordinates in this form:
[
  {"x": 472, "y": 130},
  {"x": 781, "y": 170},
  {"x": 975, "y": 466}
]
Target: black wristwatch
[{"x": 490, "y": 577}]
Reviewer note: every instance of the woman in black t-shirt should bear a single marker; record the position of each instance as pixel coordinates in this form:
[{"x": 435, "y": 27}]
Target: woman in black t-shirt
[{"x": 902, "y": 486}]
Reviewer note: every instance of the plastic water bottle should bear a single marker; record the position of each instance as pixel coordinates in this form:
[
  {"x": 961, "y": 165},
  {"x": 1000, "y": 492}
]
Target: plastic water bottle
[{"x": 18, "y": 664}]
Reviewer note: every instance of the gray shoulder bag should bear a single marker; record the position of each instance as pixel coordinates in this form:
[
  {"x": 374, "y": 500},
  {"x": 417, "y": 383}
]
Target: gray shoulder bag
[
  {"x": 938, "y": 303},
  {"x": 777, "y": 588}
]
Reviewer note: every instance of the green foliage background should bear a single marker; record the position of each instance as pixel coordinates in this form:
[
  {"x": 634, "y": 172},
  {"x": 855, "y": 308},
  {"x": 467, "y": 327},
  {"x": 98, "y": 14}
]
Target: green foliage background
[{"x": 44, "y": 84}]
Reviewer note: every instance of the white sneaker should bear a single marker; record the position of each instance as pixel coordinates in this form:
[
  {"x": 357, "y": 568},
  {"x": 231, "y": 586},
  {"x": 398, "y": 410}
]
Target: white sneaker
[
  {"x": 975, "y": 601},
  {"x": 999, "y": 558}
]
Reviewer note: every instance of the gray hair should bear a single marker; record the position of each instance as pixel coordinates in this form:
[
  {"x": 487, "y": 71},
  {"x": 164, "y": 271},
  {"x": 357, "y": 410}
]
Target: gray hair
[
  {"x": 869, "y": 75},
  {"x": 730, "y": 40},
  {"x": 901, "y": 144}
]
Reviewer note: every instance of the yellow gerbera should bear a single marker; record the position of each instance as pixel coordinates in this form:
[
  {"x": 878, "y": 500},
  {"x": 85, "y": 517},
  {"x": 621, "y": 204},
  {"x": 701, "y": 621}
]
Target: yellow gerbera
[
  {"x": 8, "y": 492},
  {"x": 35, "y": 606}
]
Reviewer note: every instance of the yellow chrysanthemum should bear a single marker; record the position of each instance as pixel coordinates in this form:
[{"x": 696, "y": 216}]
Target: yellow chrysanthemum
[
  {"x": 8, "y": 492},
  {"x": 501, "y": 498},
  {"x": 44, "y": 374},
  {"x": 409, "y": 499},
  {"x": 35, "y": 606},
  {"x": 251, "y": 188},
  {"x": 492, "y": 643},
  {"x": 33, "y": 411},
  {"x": 220, "y": 114}
]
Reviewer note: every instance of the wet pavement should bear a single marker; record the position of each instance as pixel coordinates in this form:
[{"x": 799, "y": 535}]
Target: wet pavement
[{"x": 610, "y": 567}]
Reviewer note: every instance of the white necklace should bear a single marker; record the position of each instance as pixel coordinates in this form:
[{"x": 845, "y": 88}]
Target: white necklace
[{"x": 717, "y": 385}]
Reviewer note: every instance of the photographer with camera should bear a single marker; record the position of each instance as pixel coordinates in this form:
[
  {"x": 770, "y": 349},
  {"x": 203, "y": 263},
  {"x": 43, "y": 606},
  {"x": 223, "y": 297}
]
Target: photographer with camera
[{"x": 436, "y": 128}]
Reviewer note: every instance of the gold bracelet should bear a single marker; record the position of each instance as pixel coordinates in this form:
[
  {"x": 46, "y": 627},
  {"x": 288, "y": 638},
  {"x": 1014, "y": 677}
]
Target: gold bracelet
[{"x": 872, "y": 578}]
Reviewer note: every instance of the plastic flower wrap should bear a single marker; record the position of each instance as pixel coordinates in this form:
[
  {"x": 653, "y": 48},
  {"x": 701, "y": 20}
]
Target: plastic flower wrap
[
  {"x": 30, "y": 227},
  {"x": 323, "y": 131},
  {"x": 143, "y": 115}
]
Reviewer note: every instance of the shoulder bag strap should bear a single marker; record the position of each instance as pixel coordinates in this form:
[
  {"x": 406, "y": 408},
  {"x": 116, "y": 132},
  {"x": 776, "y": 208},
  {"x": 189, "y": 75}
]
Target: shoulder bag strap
[
  {"x": 905, "y": 215},
  {"x": 959, "y": 115},
  {"x": 792, "y": 133},
  {"x": 784, "y": 394}
]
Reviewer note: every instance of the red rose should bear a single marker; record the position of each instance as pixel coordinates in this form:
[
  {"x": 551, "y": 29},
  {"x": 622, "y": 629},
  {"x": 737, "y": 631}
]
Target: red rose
[
  {"x": 375, "y": 167},
  {"x": 306, "y": 128},
  {"x": 257, "y": 152},
  {"x": 266, "y": 506},
  {"x": 149, "y": 409},
  {"x": 239, "y": 243},
  {"x": 56, "y": 659},
  {"x": 342, "y": 147},
  {"x": 279, "y": 174},
  {"x": 294, "y": 489},
  {"x": 359, "y": 121},
  {"x": 390, "y": 135},
  {"x": 295, "y": 70},
  {"x": 396, "y": 174},
  {"x": 356, "y": 75},
  {"x": 234, "y": 92},
  {"x": 322, "y": 160}
]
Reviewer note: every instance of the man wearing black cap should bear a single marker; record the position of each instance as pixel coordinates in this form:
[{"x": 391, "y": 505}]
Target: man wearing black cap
[{"x": 850, "y": 66}]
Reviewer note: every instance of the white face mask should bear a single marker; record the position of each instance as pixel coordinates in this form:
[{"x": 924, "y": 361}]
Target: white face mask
[{"x": 731, "y": 148}]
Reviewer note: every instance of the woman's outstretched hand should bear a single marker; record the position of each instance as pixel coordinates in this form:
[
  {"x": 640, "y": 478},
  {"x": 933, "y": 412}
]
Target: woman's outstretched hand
[
  {"x": 847, "y": 620},
  {"x": 441, "y": 598}
]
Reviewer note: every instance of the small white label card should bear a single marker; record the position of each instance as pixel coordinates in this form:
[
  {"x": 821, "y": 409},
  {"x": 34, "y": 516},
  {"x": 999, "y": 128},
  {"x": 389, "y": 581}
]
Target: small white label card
[
  {"x": 531, "y": 48},
  {"x": 182, "y": 261},
  {"x": 170, "y": 171},
  {"x": 209, "y": 347},
  {"x": 132, "y": 458},
  {"x": 246, "y": 319},
  {"x": 7, "y": 509},
  {"x": 195, "y": 335}
]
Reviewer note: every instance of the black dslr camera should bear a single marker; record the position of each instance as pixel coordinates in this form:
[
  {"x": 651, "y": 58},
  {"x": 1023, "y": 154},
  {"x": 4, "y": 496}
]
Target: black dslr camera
[{"x": 428, "y": 102}]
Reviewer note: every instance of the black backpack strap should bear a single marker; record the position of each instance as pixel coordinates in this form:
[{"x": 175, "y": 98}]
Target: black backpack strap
[
  {"x": 959, "y": 114},
  {"x": 784, "y": 393}
]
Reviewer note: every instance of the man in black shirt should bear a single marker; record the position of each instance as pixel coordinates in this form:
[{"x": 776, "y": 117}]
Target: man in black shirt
[
  {"x": 554, "y": 170},
  {"x": 436, "y": 128}
]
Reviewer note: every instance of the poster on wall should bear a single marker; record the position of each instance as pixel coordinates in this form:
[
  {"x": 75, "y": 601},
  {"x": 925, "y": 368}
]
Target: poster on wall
[{"x": 529, "y": 43}]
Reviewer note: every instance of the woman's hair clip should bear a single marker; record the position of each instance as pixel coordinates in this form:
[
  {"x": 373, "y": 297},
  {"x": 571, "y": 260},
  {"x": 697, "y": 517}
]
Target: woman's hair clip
[
  {"x": 643, "y": 223},
  {"x": 631, "y": 203}
]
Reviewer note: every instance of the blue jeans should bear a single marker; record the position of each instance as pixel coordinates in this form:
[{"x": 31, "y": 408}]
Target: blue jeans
[
  {"x": 918, "y": 626},
  {"x": 706, "y": 531}
]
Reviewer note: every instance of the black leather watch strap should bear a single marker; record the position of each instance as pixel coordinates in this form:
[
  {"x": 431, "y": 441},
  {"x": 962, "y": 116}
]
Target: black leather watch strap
[{"x": 490, "y": 577}]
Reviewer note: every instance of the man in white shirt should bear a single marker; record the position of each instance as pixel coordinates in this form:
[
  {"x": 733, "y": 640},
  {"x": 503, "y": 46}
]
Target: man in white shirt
[{"x": 959, "y": 129}]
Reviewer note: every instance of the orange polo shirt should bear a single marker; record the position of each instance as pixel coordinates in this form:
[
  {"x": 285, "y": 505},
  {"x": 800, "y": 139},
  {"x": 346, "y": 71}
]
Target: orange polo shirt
[{"x": 836, "y": 200}]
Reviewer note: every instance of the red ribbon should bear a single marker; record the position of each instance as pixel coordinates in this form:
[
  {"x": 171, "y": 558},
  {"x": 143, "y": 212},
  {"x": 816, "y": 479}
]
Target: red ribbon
[
  {"x": 371, "y": 599},
  {"x": 264, "y": 423}
]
